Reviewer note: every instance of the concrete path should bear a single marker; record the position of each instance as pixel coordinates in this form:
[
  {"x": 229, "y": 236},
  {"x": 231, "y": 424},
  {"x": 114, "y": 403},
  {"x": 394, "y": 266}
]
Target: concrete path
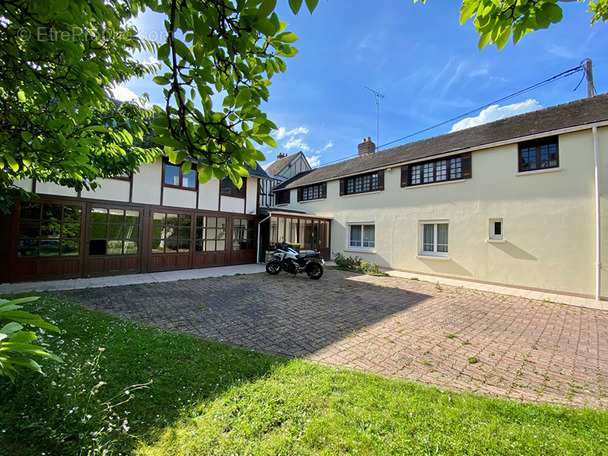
[{"x": 450, "y": 337}]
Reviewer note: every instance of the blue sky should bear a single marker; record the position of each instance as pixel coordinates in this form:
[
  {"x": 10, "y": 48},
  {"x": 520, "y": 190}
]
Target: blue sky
[{"x": 421, "y": 59}]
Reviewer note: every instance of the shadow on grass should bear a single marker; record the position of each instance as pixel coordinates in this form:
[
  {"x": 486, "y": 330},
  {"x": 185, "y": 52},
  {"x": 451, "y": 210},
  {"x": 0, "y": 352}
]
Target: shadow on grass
[{"x": 91, "y": 401}]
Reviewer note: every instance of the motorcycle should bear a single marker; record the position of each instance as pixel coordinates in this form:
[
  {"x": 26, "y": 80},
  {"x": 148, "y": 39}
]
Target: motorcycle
[{"x": 287, "y": 259}]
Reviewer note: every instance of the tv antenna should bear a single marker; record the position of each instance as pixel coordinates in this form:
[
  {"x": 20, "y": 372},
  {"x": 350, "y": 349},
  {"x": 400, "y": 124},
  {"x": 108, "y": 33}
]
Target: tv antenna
[{"x": 378, "y": 97}]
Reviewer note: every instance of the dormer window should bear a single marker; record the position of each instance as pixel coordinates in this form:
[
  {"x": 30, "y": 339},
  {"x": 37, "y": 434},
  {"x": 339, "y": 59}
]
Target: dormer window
[{"x": 539, "y": 154}]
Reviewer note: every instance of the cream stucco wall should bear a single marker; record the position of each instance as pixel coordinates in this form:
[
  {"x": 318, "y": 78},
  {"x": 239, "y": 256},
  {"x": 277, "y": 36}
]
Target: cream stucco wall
[
  {"x": 45, "y": 188},
  {"x": 109, "y": 190},
  {"x": 251, "y": 196},
  {"x": 209, "y": 195},
  {"x": 549, "y": 219},
  {"x": 147, "y": 183},
  {"x": 230, "y": 204},
  {"x": 176, "y": 197}
]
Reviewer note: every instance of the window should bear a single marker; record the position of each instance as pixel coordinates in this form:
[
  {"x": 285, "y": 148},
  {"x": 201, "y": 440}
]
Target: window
[
  {"x": 312, "y": 192},
  {"x": 362, "y": 236},
  {"x": 228, "y": 188},
  {"x": 434, "y": 171},
  {"x": 113, "y": 232},
  {"x": 242, "y": 234},
  {"x": 434, "y": 239},
  {"x": 364, "y": 183},
  {"x": 539, "y": 154},
  {"x": 283, "y": 197},
  {"x": 48, "y": 230},
  {"x": 174, "y": 177},
  {"x": 171, "y": 233},
  {"x": 210, "y": 234},
  {"x": 496, "y": 230}
]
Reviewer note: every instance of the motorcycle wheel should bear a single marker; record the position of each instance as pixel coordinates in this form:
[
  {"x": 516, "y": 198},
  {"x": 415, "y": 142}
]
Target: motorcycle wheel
[
  {"x": 273, "y": 267},
  {"x": 314, "y": 271}
]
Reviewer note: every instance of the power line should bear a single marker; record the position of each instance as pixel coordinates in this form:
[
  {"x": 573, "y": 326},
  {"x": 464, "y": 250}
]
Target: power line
[{"x": 562, "y": 75}]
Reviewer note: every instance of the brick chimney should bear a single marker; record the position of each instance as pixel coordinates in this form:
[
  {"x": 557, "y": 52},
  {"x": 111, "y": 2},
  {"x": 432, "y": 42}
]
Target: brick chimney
[
  {"x": 367, "y": 146},
  {"x": 281, "y": 155}
]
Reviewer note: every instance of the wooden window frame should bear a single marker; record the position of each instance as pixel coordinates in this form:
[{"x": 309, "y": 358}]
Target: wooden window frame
[
  {"x": 181, "y": 178},
  {"x": 537, "y": 145},
  {"x": 283, "y": 197},
  {"x": 410, "y": 170},
  {"x": 234, "y": 190},
  {"x": 353, "y": 185},
  {"x": 307, "y": 193}
]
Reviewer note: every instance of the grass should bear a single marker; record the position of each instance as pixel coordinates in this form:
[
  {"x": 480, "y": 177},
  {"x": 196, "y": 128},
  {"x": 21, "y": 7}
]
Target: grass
[{"x": 151, "y": 392}]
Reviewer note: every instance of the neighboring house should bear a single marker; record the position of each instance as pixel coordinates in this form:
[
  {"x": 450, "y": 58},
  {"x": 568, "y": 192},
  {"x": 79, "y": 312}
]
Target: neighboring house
[
  {"x": 158, "y": 219},
  {"x": 283, "y": 168},
  {"x": 511, "y": 202}
]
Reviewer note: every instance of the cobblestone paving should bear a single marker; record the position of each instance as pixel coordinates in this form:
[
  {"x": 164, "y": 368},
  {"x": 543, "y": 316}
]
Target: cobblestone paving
[{"x": 453, "y": 338}]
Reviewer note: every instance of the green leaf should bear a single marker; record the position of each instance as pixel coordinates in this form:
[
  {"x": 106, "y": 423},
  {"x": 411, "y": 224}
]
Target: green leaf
[
  {"x": 266, "y": 8},
  {"x": 243, "y": 97},
  {"x": 27, "y": 318},
  {"x": 21, "y": 96},
  {"x": 205, "y": 174},
  {"x": 11, "y": 328},
  {"x": 295, "y": 6},
  {"x": 12, "y": 163},
  {"x": 311, "y": 4},
  {"x": 23, "y": 337},
  {"x": 186, "y": 166},
  {"x": 161, "y": 80},
  {"x": 287, "y": 37}
]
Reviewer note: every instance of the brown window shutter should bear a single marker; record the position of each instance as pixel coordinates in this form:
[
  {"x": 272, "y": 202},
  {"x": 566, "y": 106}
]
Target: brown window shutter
[
  {"x": 299, "y": 195},
  {"x": 342, "y": 187},
  {"x": 466, "y": 165},
  {"x": 324, "y": 190},
  {"x": 405, "y": 175},
  {"x": 380, "y": 180}
]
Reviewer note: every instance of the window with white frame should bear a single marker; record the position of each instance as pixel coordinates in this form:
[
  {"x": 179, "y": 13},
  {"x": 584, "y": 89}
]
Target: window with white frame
[
  {"x": 496, "y": 230},
  {"x": 361, "y": 236},
  {"x": 434, "y": 238}
]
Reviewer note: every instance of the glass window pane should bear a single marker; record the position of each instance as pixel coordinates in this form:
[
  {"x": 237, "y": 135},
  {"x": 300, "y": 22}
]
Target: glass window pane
[
  {"x": 72, "y": 213},
  {"x": 171, "y": 174},
  {"x": 51, "y": 211},
  {"x": 184, "y": 245},
  {"x": 114, "y": 248},
  {"x": 50, "y": 229},
  {"x": 132, "y": 217},
  {"x": 27, "y": 248},
  {"x": 70, "y": 248},
  {"x": 184, "y": 233},
  {"x": 210, "y": 246},
  {"x": 172, "y": 219},
  {"x": 99, "y": 231},
  {"x": 189, "y": 179},
  {"x": 116, "y": 216},
  {"x": 158, "y": 246},
  {"x": 355, "y": 236},
  {"x": 49, "y": 247},
  {"x": 99, "y": 215},
  {"x": 200, "y": 220},
  {"x": 30, "y": 211},
  {"x": 368, "y": 235},
  {"x": 29, "y": 229},
  {"x": 71, "y": 230},
  {"x": 442, "y": 237},
  {"x": 221, "y": 245},
  {"x": 171, "y": 244},
  {"x": 115, "y": 232},
  {"x": 130, "y": 247},
  {"x": 226, "y": 186},
  {"x": 132, "y": 231},
  {"x": 159, "y": 218},
  {"x": 184, "y": 220},
  {"x": 428, "y": 237}
]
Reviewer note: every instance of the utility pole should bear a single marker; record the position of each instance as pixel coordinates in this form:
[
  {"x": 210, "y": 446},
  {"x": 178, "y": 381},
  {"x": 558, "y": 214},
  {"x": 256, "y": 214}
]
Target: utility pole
[
  {"x": 589, "y": 73},
  {"x": 378, "y": 96}
]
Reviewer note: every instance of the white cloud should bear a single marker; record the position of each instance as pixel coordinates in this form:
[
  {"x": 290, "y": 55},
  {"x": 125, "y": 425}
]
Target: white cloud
[
  {"x": 121, "y": 93},
  {"x": 314, "y": 160},
  {"x": 329, "y": 145},
  {"x": 497, "y": 112},
  {"x": 296, "y": 143},
  {"x": 151, "y": 61},
  {"x": 283, "y": 132}
]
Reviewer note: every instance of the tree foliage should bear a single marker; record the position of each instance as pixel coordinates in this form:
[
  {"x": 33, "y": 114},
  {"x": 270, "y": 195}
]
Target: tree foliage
[
  {"x": 497, "y": 21},
  {"x": 16, "y": 348},
  {"x": 61, "y": 60}
]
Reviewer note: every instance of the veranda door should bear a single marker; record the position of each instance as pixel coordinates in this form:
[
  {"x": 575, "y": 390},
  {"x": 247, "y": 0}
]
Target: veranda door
[{"x": 171, "y": 240}]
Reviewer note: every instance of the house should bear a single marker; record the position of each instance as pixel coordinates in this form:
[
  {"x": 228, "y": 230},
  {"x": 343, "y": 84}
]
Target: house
[
  {"x": 522, "y": 201},
  {"x": 283, "y": 168},
  {"x": 158, "y": 219}
]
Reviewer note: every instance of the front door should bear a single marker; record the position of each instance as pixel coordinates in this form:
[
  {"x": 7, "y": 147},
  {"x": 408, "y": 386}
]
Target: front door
[{"x": 243, "y": 245}]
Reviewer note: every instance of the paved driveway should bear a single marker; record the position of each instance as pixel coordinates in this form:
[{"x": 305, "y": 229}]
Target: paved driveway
[{"x": 449, "y": 337}]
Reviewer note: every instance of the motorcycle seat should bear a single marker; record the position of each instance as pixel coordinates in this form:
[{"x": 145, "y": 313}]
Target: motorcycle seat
[{"x": 307, "y": 255}]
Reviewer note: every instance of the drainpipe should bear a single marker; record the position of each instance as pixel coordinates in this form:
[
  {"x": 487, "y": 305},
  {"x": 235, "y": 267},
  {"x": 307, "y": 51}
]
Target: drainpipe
[
  {"x": 598, "y": 220},
  {"x": 259, "y": 225}
]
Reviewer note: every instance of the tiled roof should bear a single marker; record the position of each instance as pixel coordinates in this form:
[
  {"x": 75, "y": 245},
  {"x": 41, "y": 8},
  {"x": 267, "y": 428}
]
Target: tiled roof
[
  {"x": 544, "y": 121},
  {"x": 257, "y": 172},
  {"x": 277, "y": 166}
]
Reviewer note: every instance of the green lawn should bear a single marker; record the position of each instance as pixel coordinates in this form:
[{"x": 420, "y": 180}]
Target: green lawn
[{"x": 204, "y": 398}]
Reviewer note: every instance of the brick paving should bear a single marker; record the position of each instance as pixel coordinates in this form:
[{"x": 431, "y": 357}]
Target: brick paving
[{"x": 452, "y": 338}]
